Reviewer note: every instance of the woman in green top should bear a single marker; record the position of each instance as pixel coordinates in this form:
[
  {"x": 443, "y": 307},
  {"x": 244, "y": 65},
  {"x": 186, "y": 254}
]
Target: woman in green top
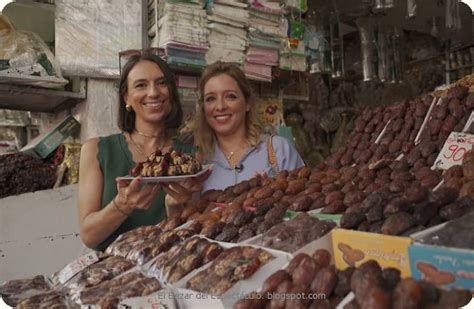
[{"x": 149, "y": 109}]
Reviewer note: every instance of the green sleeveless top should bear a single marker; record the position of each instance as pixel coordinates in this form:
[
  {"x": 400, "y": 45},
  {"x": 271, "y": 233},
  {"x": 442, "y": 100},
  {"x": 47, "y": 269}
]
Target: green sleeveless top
[{"x": 115, "y": 160}]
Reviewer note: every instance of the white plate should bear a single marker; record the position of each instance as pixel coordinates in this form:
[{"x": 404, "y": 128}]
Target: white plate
[{"x": 169, "y": 178}]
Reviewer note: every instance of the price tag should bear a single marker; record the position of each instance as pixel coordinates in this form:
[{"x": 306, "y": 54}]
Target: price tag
[
  {"x": 469, "y": 122},
  {"x": 427, "y": 117},
  {"x": 76, "y": 266},
  {"x": 377, "y": 140},
  {"x": 454, "y": 150}
]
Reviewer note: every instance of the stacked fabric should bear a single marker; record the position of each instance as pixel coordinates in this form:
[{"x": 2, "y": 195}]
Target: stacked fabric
[
  {"x": 228, "y": 20},
  {"x": 267, "y": 28},
  {"x": 183, "y": 33}
]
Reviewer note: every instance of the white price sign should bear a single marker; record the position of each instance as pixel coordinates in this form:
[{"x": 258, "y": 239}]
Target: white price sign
[
  {"x": 76, "y": 266},
  {"x": 469, "y": 122},
  {"x": 454, "y": 150}
]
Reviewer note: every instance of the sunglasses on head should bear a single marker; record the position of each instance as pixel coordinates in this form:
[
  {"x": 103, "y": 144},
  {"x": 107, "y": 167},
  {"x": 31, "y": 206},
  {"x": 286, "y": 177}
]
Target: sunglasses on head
[{"x": 124, "y": 55}]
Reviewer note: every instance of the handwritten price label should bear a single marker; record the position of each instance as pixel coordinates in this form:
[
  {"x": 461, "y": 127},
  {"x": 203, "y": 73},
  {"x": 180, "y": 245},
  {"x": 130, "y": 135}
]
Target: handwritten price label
[
  {"x": 454, "y": 150},
  {"x": 76, "y": 266}
]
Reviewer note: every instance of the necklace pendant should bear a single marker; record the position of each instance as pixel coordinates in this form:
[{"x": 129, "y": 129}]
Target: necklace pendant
[{"x": 230, "y": 156}]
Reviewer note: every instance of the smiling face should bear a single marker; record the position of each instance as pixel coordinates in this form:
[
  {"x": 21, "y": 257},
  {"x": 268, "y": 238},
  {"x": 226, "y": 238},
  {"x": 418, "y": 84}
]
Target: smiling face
[
  {"x": 148, "y": 92},
  {"x": 225, "y": 106}
]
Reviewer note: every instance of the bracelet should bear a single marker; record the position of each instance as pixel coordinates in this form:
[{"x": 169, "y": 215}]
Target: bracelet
[{"x": 120, "y": 210}]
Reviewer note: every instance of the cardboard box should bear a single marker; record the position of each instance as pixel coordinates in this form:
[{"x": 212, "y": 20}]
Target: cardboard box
[
  {"x": 46, "y": 143},
  {"x": 352, "y": 248},
  {"x": 446, "y": 267}
]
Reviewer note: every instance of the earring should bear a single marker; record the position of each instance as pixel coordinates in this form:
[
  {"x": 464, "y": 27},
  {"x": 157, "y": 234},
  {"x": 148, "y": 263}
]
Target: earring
[{"x": 128, "y": 108}]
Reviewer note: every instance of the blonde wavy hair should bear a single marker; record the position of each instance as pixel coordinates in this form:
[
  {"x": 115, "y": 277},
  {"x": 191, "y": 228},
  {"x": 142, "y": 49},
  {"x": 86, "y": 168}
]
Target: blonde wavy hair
[{"x": 204, "y": 136}]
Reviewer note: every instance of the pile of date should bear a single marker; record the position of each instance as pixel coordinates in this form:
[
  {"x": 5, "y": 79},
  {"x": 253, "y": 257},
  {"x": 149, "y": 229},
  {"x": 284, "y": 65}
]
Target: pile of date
[
  {"x": 310, "y": 282},
  {"x": 381, "y": 181}
]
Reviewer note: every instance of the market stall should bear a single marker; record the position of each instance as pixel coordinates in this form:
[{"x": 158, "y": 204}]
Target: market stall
[
  {"x": 357, "y": 229},
  {"x": 380, "y": 217}
]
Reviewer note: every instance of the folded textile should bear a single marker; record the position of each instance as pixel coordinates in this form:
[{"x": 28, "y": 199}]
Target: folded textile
[
  {"x": 181, "y": 19},
  {"x": 183, "y": 8},
  {"x": 223, "y": 40},
  {"x": 229, "y": 10},
  {"x": 165, "y": 37},
  {"x": 239, "y": 4},
  {"x": 264, "y": 44},
  {"x": 183, "y": 31},
  {"x": 227, "y": 55},
  {"x": 228, "y": 30},
  {"x": 265, "y": 16},
  {"x": 266, "y": 6},
  {"x": 258, "y": 71},
  {"x": 280, "y": 31},
  {"x": 186, "y": 46},
  {"x": 196, "y": 32},
  {"x": 177, "y": 52},
  {"x": 260, "y": 55},
  {"x": 164, "y": 42},
  {"x": 181, "y": 60},
  {"x": 226, "y": 21},
  {"x": 234, "y": 14}
]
